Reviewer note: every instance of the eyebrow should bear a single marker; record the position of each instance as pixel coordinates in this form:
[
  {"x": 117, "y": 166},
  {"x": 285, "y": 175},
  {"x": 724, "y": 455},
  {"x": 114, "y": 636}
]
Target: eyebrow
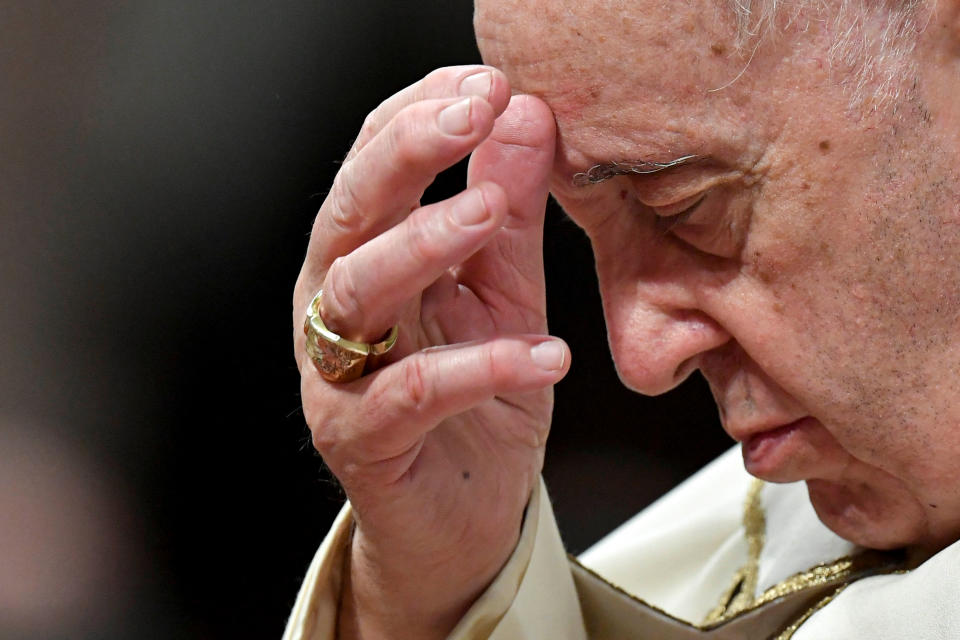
[{"x": 601, "y": 172}]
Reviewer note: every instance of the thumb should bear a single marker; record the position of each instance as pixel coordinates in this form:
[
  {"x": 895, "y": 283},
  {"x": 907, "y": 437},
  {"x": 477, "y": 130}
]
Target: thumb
[{"x": 517, "y": 156}]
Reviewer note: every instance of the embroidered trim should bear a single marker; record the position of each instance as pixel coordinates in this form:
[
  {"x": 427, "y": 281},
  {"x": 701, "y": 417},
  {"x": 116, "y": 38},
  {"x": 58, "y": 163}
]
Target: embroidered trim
[
  {"x": 637, "y": 599},
  {"x": 838, "y": 570},
  {"x": 740, "y": 597},
  {"x": 814, "y": 577},
  {"x": 717, "y": 613},
  {"x": 787, "y": 633},
  {"x": 741, "y": 594}
]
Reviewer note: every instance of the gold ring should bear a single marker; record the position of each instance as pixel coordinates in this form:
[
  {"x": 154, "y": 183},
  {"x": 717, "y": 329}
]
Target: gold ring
[{"x": 336, "y": 358}]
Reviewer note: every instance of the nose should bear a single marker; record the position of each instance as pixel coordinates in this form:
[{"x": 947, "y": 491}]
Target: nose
[{"x": 656, "y": 330}]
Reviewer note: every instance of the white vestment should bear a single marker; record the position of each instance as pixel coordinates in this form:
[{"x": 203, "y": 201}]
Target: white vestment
[{"x": 720, "y": 557}]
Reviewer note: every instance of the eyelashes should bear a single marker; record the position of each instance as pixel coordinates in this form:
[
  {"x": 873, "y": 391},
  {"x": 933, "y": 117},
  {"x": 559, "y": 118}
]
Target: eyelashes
[{"x": 668, "y": 222}]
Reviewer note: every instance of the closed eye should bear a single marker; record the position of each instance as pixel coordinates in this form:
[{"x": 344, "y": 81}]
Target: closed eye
[{"x": 677, "y": 214}]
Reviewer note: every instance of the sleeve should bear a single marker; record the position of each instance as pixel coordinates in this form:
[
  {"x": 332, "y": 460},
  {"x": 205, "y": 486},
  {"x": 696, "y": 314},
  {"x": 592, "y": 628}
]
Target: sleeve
[
  {"x": 532, "y": 598},
  {"x": 314, "y": 615}
]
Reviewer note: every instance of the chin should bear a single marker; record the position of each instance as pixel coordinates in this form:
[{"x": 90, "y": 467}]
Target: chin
[{"x": 861, "y": 514}]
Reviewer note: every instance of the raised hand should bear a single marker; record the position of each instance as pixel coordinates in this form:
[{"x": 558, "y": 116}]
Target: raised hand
[{"x": 439, "y": 445}]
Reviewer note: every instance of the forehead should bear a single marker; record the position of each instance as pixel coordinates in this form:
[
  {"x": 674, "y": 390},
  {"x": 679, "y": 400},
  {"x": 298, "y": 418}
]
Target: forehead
[{"x": 623, "y": 77}]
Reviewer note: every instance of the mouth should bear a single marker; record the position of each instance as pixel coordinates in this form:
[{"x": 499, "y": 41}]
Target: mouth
[{"x": 766, "y": 452}]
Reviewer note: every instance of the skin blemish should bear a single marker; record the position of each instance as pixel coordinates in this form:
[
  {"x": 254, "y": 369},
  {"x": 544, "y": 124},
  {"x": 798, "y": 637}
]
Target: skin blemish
[
  {"x": 623, "y": 195},
  {"x": 717, "y": 49},
  {"x": 826, "y": 252},
  {"x": 466, "y": 475},
  {"x": 759, "y": 269},
  {"x": 824, "y": 145}
]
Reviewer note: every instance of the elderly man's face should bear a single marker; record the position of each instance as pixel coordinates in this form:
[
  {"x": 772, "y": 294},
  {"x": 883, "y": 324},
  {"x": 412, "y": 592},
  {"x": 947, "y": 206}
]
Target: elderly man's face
[{"x": 806, "y": 263}]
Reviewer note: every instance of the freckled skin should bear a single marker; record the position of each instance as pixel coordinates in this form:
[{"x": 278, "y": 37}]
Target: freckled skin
[{"x": 820, "y": 276}]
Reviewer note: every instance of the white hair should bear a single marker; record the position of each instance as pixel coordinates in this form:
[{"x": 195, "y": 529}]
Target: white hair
[{"x": 872, "y": 40}]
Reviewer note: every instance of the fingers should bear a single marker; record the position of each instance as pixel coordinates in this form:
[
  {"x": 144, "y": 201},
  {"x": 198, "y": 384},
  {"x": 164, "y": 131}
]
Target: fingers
[
  {"x": 404, "y": 144},
  {"x": 467, "y": 80},
  {"x": 365, "y": 290},
  {"x": 381, "y": 417},
  {"x": 385, "y": 180},
  {"x": 518, "y": 155}
]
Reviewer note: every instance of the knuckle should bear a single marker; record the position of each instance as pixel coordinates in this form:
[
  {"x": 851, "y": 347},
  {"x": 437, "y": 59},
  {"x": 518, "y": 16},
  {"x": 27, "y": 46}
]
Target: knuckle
[
  {"x": 438, "y": 81},
  {"x": 422, "y": 238},
  {"x": 416, "y": 389},
  {"x": 341, "y": 302},
  {"x": 438, "y": 75},
  {"x": 495, "y": 362},
  {"x": 322, "y": 424},
  {"x": 322, "y": 438},
  {"x": 407, "y": 139},
  {"x": 489, "y": 359},
  {"x": 368, "y": 130},
  {"x": 347, "y": 213},
  {"x": 445, "y": 80},
  {"x": 371, "y": 125}
]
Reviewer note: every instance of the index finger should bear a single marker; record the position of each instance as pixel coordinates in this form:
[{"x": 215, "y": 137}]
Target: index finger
[{"x": 447, "y": 82}]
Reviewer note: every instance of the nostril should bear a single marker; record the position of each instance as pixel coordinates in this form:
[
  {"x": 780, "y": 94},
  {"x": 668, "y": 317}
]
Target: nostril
[{"x": 683, "y": 371}]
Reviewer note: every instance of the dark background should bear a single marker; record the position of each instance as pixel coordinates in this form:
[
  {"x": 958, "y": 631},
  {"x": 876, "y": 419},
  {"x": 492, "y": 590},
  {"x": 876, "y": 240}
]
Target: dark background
[{"x": 160, "y": 166}]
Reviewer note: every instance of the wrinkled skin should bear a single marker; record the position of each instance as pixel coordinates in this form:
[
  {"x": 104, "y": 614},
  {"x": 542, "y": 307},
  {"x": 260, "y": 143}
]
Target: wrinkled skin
[
  {"x": 815, "y": 286},
  {"x": 439, "y": 446}
]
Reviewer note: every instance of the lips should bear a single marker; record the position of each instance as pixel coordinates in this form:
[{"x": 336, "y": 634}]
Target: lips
[{"x": 769, "y": 451}]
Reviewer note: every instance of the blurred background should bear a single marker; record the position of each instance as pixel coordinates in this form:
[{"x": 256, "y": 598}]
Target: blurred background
[{"x": 160, "y": 166}]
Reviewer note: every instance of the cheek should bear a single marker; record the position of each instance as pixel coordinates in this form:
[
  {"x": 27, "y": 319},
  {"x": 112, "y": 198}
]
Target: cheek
[
  {"x": 868, "y": 310},
  {"x": 835, "y": 353},
  {"x": 799, "y": 255}
]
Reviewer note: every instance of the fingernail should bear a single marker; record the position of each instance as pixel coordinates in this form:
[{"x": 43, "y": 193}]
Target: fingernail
[
  {"x": 455, "y": 119},
  {"x": 477, "y": 85},
  {"x": 548, "y": 355},
  {"x": 470, "y": 209}
]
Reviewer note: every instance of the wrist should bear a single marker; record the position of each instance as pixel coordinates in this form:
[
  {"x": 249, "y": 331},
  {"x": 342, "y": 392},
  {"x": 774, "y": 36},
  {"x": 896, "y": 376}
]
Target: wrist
[{"x": 416, "y": 594}]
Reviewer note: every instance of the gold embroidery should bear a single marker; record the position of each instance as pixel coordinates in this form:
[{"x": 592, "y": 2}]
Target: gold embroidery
[
  {"x": 740, "y": 598},
  {"x": 742, "y": 592},
  {"x": 716, "y": 614},
  {"x": 787, "y": 633},
  {"x": 814, "y": 577},
  {"x": 842, "y": 572}
]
